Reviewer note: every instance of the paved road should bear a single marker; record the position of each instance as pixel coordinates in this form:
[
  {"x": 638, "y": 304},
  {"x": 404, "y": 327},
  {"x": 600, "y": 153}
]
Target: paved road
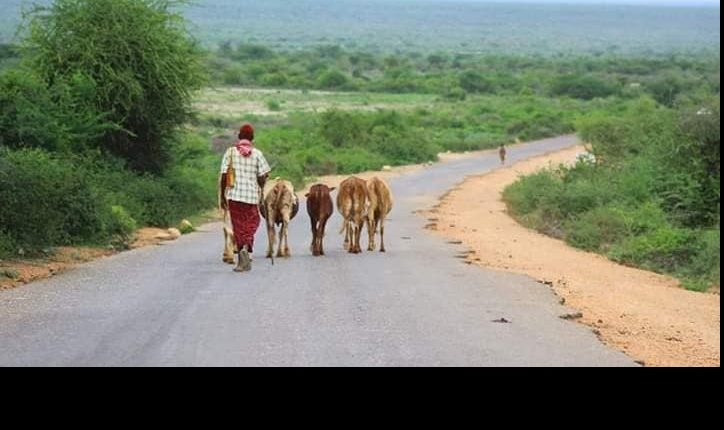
[{"x": 177, "y": 305}]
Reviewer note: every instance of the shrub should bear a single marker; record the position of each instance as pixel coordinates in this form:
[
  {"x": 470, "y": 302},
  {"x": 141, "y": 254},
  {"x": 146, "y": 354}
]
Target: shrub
[
  {"x": 46, "y": 201},
  {"x": 597, "y": 230},
  {"x": 121, "y": 226},
  {"x": 145, "y": 69},
  {"x": 525, "y": 196},
  {"x": 475, "y": 82},
  {"x": 667, "y": 250},
  {"x": 582, "y": 87},
  {"x": 333, "y": 80},
  {"x": 274, "y": 105}
]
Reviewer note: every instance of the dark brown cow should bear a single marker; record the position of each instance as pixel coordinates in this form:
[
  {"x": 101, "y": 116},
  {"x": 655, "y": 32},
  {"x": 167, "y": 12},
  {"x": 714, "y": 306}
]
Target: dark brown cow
[
  {"x": 352, "y": 204},
  {"x": 320, "y": 208}
]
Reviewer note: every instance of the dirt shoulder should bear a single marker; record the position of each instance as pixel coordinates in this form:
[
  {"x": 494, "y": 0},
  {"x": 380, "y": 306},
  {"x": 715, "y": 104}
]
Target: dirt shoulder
[
  {"x": 18, "y": 272},
  {"x": 641, "y": 313}
]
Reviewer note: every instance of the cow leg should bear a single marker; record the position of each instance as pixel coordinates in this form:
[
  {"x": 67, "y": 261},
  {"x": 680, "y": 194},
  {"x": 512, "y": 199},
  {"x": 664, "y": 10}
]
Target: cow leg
[
  {"x": 229, "y": 247},
  {"x": 372, "y": 230},
  {"x": 320, "y": 235},
  {"x": 272, "y": 239},
  {"x": 382, "y": 234},
  {"x": 287, "y": 250},
  {"x": 347, "y": 234},
  {"x": 313, "y": 248},
  {"x": 359, "y": 225},
  {"x": 360, "y": 230},
  {"x": 349, "y": 243},
  {"x": 280, "y": 252}
]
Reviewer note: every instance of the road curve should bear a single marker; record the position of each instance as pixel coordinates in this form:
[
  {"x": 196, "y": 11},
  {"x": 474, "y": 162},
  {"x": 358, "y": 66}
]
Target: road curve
[{"x": 417, "y": 305}]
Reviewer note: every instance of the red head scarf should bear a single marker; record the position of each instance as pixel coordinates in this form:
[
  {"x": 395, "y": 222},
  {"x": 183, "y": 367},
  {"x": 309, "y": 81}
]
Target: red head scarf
[
  {"x": 245, "y": 146},
  {"x": 246, "y": 132}
]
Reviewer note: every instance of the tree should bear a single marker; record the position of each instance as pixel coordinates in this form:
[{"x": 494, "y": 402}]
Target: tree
[
  {"x": 333, "y": 80},
  {"x": 474, "y": 82},
  {"x": 142, "y": 61},
  {"x": 582, "y": 87}
]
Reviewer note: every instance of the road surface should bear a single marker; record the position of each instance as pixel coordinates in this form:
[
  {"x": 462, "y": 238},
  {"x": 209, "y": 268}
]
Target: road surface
[{"x": 417, "y": 305}]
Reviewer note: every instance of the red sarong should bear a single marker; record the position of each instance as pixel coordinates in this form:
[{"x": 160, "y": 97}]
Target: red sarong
[{"x": 245, "y": 219}]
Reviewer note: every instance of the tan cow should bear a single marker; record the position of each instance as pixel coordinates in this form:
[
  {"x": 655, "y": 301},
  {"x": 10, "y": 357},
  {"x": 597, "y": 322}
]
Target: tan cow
[
  {"x": 352, "y": 204},
  {"x": 228, "y": 229},
  {"x": 229, "y": 241},
  {"x": 379, "y": 207},
  {"x": 279, "y": 206}
]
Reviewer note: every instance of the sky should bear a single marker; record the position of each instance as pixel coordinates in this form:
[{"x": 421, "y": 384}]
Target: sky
[{"x": 633, "y": 2}]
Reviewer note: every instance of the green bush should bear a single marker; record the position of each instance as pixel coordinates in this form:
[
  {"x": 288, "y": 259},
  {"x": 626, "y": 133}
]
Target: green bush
[
  {"x": 650, "y": 198},
  {"x": 582, "y": 87},
  {"x": 597, "y": 230},
  {"x": 7, "y": 245},
  {"x": 666, "y": 89},
  {"x": 581, "y": 196},
  {"x": 46, "y": 201},
  {"x": 26, "y": 113},
  {"x": 333, "y": 80},
  {"x": 341, "y": 128},
  {"x": 532, "y": 192},
  {"x": 274, "y": 105},
  {"x": 56, "y": 118},
  {"x": 455, "y": 94},
  {"x": 475, "y": 82},
  {"x": 121, "y": 226},
  {"x": 667, "y": 250},
  {"x": 139, "y": 55},
  {"x": 707, "y": 263}
]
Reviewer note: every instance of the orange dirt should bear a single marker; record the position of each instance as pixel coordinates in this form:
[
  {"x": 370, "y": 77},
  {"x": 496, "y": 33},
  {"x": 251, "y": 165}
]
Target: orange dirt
[
  {"x": 641, "y": 313},
  {"x": 26, "y": 271}
]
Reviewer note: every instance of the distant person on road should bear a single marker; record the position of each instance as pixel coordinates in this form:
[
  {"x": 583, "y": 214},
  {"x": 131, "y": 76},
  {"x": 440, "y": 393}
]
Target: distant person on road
[
  {"x": 503, "y": 154},
  {"x": 244, "y": 172}
]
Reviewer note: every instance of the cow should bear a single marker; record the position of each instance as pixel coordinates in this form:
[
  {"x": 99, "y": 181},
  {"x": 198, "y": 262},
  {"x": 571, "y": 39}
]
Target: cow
[
  {"x": 352, "y": 205},
  {"x": 228, "y": 230},
  {"x": 320, "y": 209},
  {"x": 503, "y": 154},
  {"x": 279, "y": 206},
  {"x": 229, "y": 242},
  {"x": 379, "y": 207}
]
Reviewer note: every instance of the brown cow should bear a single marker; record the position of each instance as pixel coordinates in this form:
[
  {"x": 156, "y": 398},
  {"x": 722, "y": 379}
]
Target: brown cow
[
  {"x": 320, "y": 209},
  {"x": 503, "y": 154},
  {"x": 279, "y": 206},
  {"x": 352, "y": 204},
  {"x": 380, "y": 206}
]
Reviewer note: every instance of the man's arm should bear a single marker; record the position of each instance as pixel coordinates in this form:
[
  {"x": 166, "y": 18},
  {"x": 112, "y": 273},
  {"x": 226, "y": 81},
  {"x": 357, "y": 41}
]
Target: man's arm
[{"x": 262, "y": 180}]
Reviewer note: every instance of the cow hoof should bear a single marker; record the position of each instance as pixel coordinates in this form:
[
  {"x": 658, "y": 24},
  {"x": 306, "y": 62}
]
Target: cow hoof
[{"x": 383, "y": 250}]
